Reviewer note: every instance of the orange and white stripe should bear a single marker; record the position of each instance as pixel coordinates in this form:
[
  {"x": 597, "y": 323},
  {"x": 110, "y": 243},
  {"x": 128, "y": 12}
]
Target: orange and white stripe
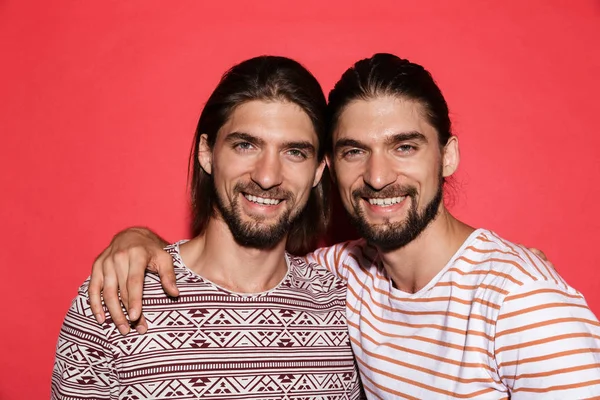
[{"x": 495, "y": 323}]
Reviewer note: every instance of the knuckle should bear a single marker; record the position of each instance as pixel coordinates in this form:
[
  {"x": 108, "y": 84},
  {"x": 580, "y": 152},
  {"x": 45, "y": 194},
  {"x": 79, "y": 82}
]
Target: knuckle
[
  {"x": 137, "y": 252},
  {"x": 120, "y": 256},
  {"x": 110, "y": 292},
  {"x": 108, "y": 268},
  {"x": 96, "y": 282},
  {"x": 165, "y": 257},
  {"x": 135, "y": 280}
]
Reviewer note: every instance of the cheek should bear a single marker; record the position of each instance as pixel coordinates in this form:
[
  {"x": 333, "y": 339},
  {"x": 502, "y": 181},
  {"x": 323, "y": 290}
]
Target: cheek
[
  {"x": 426, "y": 181},
  {"x": 422, "y": 171},
  {"x": 346, "y": 185},
  {"x": 346, "y": 174},
  {"x": 227, "y": 174},
  {"x": 300, "y": 179},
  {"x": 233, "y": 164},
  {"x": 433, "y": 175}
]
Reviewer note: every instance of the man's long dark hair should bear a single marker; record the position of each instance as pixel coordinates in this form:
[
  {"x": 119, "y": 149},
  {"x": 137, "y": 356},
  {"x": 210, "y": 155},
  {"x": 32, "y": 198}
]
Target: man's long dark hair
[{"x": 266, "y": 78}]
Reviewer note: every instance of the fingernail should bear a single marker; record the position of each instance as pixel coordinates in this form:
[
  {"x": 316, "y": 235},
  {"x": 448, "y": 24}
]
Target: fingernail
[
  {"x": 133, "y": 315},
  {"x": 140, "y": 329},
  {"x": 124, "y": 329},
  {"x": 99, "y": 318}
]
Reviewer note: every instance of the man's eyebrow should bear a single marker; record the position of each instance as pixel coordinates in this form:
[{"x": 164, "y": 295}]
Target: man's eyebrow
[
  {"x": 348, "y": 143},
  {"x": 403, "y": 136},
  {"x": 233, "y": 136},
  {"x": 300, "y": 145}
]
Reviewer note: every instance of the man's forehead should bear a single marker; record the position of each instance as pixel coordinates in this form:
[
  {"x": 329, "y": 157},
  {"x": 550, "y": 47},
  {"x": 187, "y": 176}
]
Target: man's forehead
[
  {"x": 272, "y": 121},
  {"x": 381, "y": 119}
]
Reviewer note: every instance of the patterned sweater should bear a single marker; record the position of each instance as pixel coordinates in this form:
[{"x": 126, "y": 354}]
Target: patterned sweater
[{"x": 291, "y": 342}]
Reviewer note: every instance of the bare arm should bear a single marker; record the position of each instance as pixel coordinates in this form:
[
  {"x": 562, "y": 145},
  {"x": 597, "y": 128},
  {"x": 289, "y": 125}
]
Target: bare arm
[{"x": 121, "y": 268}]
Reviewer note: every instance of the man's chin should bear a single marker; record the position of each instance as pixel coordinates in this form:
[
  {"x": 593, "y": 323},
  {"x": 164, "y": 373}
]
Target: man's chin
[
  {"x": 260, "y": 225},
  {"x": 258, "y": 234},
  {"x": 380, "y": 235},
  {"x": 380, "y": 238},
  {"x": 258, "y": 239},
  {"x": 379, "y": 226}
]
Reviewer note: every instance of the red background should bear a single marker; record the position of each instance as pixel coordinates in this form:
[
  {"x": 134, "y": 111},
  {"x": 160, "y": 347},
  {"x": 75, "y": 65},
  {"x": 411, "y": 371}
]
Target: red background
[{"x": 99, "y": 101}]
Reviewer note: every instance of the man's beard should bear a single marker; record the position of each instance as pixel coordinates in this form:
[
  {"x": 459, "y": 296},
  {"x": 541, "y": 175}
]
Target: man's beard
[
  {"x": 394, "y": 235},
  {"x": 253, "y": 233}
]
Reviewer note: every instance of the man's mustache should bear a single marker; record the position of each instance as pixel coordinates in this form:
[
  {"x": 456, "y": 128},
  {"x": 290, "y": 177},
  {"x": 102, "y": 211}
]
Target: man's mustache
[
  {"x": 386, "y": 192},
  {"x": 254, "y": 189}
]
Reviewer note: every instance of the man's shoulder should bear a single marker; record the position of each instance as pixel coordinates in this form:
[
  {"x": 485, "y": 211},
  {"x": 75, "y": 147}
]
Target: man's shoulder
[
  {"x": 312, "y": 276},
  {"x": 82, "y": 294},
  {"x": 514, "y": 264},
  {"x": 349, "y": 246},
  {"x": 340, "y": 252},
  {"x": 182, "y": 273}
]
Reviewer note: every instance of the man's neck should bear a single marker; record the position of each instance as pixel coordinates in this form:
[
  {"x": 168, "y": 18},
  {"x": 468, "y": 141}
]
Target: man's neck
[
  {"x": 414, "y": 265},
  {"x": 216, "y": 256}
]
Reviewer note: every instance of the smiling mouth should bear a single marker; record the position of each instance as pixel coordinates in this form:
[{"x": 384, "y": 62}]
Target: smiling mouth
[
  {"x": 262, "y": 200},
  {"x": 385, "y": 202}
]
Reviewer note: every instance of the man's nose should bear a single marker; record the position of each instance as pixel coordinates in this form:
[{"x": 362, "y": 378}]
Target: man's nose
[
  {"x": 379, "y": 173},
  {"x": 267, "y": 171}
]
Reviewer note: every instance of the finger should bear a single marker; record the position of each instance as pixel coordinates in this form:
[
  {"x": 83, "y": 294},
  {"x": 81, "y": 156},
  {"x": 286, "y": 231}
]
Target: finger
[
  {"x": 135, "y": 283},
  {"x": 111, "y": 298},
  {"x": 120, "y": 266},
  {"x": 95, "y": 289},
  {"x": 539, "y": 253},
  {"x": 141, "y": 326},
  {"x": 164, "y": 266}
]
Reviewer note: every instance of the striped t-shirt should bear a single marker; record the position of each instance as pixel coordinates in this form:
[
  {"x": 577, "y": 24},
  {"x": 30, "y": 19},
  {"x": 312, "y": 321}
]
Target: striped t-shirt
[
  {"x": 495, "y": 323},
  {"x": 288, "y": 343}
]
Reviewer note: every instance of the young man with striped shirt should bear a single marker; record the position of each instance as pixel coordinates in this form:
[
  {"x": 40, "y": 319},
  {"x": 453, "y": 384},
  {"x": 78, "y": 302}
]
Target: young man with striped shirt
[{"x": 435, "y": 308}]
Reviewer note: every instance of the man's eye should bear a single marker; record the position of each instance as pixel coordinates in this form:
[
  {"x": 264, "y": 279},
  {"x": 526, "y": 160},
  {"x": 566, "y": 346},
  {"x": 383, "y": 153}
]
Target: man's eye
[
  {"x": 350, "y": 153},
  {"x": 243, "y": 146},
  {"x": 406, "y": 148},
  {"x": 297, "y": 153}
]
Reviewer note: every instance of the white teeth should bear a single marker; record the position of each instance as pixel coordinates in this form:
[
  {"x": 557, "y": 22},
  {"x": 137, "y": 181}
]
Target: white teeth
[
  {"x": 262, "y": 200},
  {"x": 387, "y": 201}
]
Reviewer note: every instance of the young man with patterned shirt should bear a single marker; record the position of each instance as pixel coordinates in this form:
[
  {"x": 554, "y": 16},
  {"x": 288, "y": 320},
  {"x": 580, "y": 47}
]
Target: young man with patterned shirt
[
  {"x": 436, "y": 309},
  {"x": 251, "y": 320}
]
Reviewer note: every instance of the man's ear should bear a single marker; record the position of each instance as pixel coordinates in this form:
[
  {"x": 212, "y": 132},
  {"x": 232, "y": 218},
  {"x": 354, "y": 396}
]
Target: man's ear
[
  {"x": 330, "y": 166},
  {"x": 319, "y": 173},
  {"x": 450, "y": 157},
  {"x": 205, "y": 154}
]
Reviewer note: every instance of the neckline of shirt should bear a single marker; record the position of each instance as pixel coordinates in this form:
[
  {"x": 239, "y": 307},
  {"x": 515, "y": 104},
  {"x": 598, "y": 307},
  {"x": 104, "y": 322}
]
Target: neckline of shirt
[
  {"x": 180, "y": 261},
  {"x": 394, "y": 292}
]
